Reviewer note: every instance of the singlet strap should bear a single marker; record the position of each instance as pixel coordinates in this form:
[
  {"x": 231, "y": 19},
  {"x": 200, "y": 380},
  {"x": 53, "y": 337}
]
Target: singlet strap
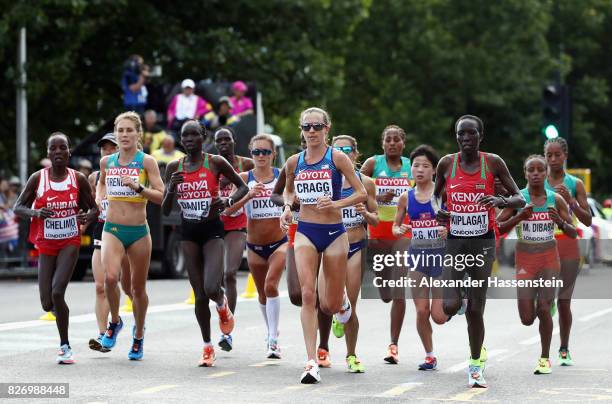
[
  {"x": 483, "y": 166},
  {"x": 239, "y": 164},
  {"x": 250, "y": 176},
  {"x": 206, "y": 163},
  {"x": 455, "y": 158},
  {"x": 180, "y": 165}
]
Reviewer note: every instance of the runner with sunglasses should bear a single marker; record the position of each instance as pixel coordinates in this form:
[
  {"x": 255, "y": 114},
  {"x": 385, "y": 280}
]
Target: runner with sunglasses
[
  {"x": 354, "y": 219},
  {"x": 57, "y": 199},
  {"x": 426, "y": 247},
  {"x": 194, "y": 182},
  {"x": 391, "y": 173},
  {"x": 468, "y": 179},
  {"x": 234, "y": 224},
  {"x": 536, "y": 254},
  {"x": 573, "y": 192},
  {"x": 266, "y": 241},
  {"x": 315, "y": 177}
]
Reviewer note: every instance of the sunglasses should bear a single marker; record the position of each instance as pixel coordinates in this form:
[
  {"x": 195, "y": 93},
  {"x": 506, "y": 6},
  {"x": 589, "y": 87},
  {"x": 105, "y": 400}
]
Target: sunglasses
[
  {"x": 345, "y": 149},
  {"x": 316, "y": 126},
  {"x": 261, "y": 152}
]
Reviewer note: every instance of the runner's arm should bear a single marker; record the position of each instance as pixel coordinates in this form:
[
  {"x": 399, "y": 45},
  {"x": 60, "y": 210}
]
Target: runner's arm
[
  {"x": 155, "y": 192},
  {"x": 239, "y": 204},
  {"x": 101, "y": 187},
  {"x": 23, "y": 205},
  {"x": 367, "y": 168},
  {"x": 501, "y": 171},
  {"x": 580, "y": 207},
  {"x": 87, "y": 201},
  {"x": 344, "y": 164},
  {"x": 507, "y": 220},
  {"x": 228, "y": 172},
  {"x": 566, "y": 220},
  {"x": 371, "y": 213},
  {"x": 398, "y": 227},
  {"x": 441, "y": 171},
  {"x": 277, "y": 192},
  {"x": 170, "y": 191}
]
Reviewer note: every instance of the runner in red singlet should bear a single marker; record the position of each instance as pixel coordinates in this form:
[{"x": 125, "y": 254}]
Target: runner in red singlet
[{"x": 56, "y": 199}]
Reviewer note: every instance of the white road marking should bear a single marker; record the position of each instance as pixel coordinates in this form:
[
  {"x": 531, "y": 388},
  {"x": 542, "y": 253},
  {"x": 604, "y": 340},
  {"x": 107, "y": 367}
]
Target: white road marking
[
  {"x": 157, "y": 389},
  {"x": 399, "y": 390},
  {"x": 596, "y": 314},
  {"x": 219, "y": 374}
]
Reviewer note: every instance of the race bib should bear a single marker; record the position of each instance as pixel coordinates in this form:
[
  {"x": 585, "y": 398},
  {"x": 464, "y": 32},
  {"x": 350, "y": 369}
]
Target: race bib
[
  {"x": 310, "y": 185},
  {"x": 425, "y": 234},
  {"x": 538, "y": 228},
  {"x": 115, "y": 187},
  {"x": 397, "y": 186},
  {"x": 262, "y": 207},
  {"x": 350, "y": 217},
  {"x": 469, "y": 224},
  {"x": 60, "y": 228},
  {"x": 194, "y": 198}
]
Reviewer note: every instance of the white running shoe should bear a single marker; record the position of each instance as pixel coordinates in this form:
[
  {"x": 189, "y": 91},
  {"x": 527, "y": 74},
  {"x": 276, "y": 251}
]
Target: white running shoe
[
  {"x": 344, "y": 315},
  {"x": 64, "y": 355},
  {"x": 311, "y": 373},
  {"x": 274, "y": 351}
]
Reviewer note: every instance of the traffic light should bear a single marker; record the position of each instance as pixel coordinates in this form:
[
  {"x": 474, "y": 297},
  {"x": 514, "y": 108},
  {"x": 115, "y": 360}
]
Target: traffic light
[{"x": 556, "y": 111}]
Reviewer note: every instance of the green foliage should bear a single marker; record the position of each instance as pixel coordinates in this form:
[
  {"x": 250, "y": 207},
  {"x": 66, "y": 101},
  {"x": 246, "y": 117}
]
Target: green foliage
[{"x": 418, "y": 64}]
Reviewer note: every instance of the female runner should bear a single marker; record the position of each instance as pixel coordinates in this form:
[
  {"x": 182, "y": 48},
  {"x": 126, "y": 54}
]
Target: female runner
[
  {"x": 59, "y": 196},
  {"x": 536, "y": 250},
  {"x": 315, "y": 177},
  {"x": 128, "y": 179},
  {"x": 194, "y": 182}
]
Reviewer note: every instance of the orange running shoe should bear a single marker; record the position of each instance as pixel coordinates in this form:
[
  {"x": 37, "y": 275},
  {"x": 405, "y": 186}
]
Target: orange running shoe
[
  {"x": 392, "y": 356},
  {"x": 323, "y": 358},
  {"x": 208, "y": 357},
  {"x": 226, "y": 318}
]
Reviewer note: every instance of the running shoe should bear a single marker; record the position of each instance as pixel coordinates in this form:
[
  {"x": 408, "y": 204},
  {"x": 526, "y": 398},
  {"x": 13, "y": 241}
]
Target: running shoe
[
  {"x": 226, "y": 318},
  {"x": 431, "y": 363},
  {"x": 337, "y": 327},
  {"x": 354, "y": 365},
  {"x": 96, "y": 344},
  {"x": 136, "y": 352},
  {"x": 483, "y": 354},
  {"x": 311, "y": 373},
  {"x": 553, "y": 308},
  {"x": 344, "y": 314},
  {"x": 110, "y": 337},
  {"x": 565, "y": 358},
  {"x": 392, "y": 356},
  {"x": 226, "y": 342},
  {"x": 208, "y": 357},
  {"x": 544, "y": 367},
  {"x": 323, "y": 358},
  {"x": 274, "y": 351},
  {"x": 475, "y": 375},
  {"x": 64, "y": 355}
]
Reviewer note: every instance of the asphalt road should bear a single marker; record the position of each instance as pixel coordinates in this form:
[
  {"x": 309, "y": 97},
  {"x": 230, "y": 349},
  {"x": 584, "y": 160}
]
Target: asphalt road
[{"x": 169, "y": 371}]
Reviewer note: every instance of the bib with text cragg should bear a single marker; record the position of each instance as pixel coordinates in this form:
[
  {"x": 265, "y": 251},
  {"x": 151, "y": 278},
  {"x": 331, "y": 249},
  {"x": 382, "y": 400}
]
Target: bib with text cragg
[
  {"x": 310, "y": 185},
  {"x": 397, "y": 186}
]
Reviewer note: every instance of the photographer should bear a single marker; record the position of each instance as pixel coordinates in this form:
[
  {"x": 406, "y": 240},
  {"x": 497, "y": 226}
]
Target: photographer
[{"x": 133, "y": 80}]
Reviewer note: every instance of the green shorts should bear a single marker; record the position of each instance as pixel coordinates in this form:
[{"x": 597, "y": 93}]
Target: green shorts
[{"x": 128, "y": 235}]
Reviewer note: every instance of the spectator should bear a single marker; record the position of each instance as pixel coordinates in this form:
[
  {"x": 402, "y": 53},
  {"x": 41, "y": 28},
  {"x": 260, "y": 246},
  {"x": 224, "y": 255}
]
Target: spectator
[
  {"x": 222, "y": 117},
  {"x": 186, "y": 105},
  {"x": 153, "y": 133},
  {"x": 133, "y": 83},
  {"x": 167, "y": 152},
  {"x": 9, "y": 229},
  {"x": 14, "y": 191},
  {"x": 85, "y": 167},
  {"x": 242, "y": 105}
]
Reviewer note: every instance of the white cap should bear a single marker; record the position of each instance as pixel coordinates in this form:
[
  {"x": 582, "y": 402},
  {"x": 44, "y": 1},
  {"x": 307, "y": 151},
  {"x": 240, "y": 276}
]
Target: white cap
[{"x": 188, "y": 83}]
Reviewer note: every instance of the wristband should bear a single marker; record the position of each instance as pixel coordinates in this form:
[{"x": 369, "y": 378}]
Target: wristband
[
  {"x": 229, "y": 202},
  {"x": 139, "y": 189},
  {"x": 504, "y": 201},
  {"x": 574, "y": 204},
  {"x": 561, "y": 226}
]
